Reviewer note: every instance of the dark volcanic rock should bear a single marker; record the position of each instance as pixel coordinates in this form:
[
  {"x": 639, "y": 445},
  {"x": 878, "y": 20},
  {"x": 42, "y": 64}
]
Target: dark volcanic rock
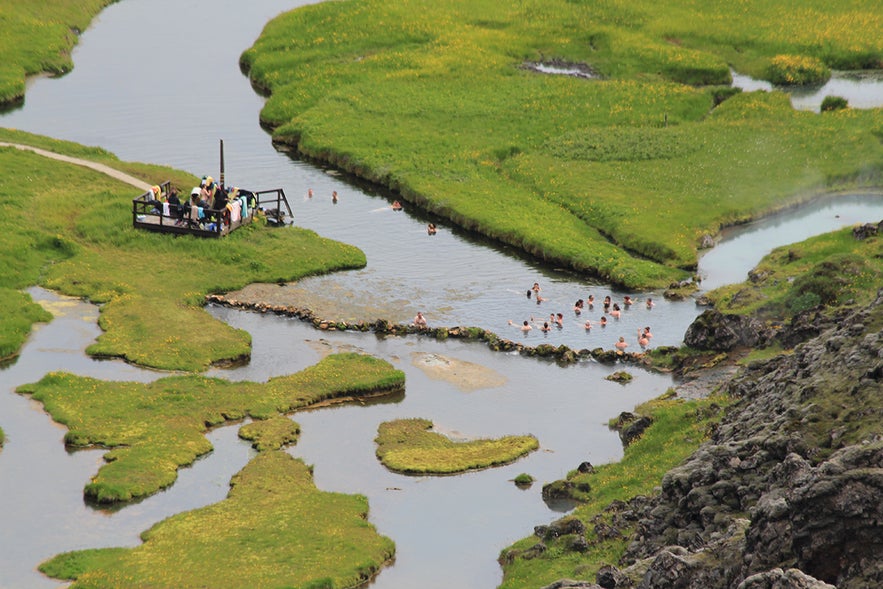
[
  {"x": 801, "y": 454},
  {"x": 714, "y": 330}
]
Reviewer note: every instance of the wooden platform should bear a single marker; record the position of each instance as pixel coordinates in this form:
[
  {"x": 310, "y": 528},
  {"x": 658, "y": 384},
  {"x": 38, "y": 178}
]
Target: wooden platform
[{"x": 270, "y": 202}]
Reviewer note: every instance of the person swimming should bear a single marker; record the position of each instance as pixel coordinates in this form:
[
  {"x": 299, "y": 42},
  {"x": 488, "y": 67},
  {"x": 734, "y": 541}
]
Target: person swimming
[
  {"x": 621, "y": 345},
  {"x": 615, "y": 312}
]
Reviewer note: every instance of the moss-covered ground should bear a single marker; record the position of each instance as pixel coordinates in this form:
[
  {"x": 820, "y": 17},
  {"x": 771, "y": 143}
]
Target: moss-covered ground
[{"x": 410, "y": 446}]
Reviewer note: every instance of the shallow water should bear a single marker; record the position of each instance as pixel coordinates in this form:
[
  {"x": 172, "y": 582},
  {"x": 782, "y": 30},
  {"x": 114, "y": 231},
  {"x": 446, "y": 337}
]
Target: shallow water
[
  {"x": 170, "y": 103},
  {"x": 862, "y": 89},
  {"x": 41, "y": 483}
]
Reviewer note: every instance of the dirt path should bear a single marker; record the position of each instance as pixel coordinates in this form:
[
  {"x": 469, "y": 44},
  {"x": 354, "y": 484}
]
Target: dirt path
[{"x": 121, "y": 176}]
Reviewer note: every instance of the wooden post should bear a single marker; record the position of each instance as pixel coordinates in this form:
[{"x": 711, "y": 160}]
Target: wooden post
[{"x": 221, "y": 177}]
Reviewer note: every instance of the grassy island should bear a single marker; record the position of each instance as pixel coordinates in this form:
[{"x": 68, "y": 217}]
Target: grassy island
[
  {"x": 408, "y": 446},
  {"x": 274, "y": 529},
  {"x": 71, "y": 230},
  {"x": 619, "y": 176},
  {"x": 153, "y": 429}
]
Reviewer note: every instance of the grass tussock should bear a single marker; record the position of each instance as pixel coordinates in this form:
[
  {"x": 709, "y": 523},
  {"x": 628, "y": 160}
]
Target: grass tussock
[
  {"x": 274, "y": 529},
  {"x": 153, "y": 429},
  {"x": 409, "y": 446}
]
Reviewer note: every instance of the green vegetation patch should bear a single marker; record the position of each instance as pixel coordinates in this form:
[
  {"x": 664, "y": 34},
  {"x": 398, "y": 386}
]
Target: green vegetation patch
[
  {"x": 69, "y": 229},
  {"x": 798, "y": 70},
  {"x": 38, "y": 37},
  {"x": 830, "y": 271},
  {"x": 274, "y": 529},
  {"x": 626, "y": 172},
  {"x": 153, "y": 429},
  {"x": 270, "y": 434},
  {"x": 20, "y": 312},
  {"x": 677, "y": 430},
  {"x": 408, "y": 446}
]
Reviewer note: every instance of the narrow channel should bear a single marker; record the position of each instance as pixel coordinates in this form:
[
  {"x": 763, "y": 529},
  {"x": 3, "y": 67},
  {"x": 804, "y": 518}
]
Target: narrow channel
[{"x": 144, "y": 102}]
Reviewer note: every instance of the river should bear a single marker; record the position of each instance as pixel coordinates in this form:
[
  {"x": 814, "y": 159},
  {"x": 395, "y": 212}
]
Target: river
[{"x": 157, "y": 81}]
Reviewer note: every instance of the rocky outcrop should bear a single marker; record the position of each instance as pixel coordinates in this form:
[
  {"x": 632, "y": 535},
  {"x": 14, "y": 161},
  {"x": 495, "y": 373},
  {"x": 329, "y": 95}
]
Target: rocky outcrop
[
  {"x": 786, "y": 494},
  {"x": 714, "y": 330}
]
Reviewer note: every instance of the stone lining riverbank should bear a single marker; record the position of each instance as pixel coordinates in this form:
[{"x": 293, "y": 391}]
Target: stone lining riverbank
[{"x": 561, "y": 354}]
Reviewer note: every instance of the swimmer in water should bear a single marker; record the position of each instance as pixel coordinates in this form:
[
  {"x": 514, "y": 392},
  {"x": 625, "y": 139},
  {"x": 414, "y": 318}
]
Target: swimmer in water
[{"x": 621, "y": 345}]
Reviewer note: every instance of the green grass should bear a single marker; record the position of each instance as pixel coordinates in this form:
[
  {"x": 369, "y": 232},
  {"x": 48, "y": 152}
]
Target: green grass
[
  {"x": 274, "y": 529},
  {"x": 618, "y": 177},
  {"x": 677, "y": 430},
  {"x": 408, "y": 446},
  {"x": 834, "y": 270},
  {"x": 271, "y": 434},
  {"x": 20, "y": 312},
  {"x": 153, "y": 429},
  {"x": 69, "y": 229},
  {"x": 38, "y": 38}
]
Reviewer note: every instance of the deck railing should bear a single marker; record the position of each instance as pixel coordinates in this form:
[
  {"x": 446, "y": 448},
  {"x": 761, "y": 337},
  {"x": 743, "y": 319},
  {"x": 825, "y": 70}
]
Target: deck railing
[{"x": 214, "y": 223}]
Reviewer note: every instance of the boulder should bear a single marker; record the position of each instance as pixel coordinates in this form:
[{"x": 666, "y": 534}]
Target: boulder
[{"x": 720, "y": 332}]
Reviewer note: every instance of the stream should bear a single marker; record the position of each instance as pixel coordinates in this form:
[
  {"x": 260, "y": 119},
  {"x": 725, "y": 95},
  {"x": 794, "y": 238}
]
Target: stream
[{"x": 168, "y": 102}]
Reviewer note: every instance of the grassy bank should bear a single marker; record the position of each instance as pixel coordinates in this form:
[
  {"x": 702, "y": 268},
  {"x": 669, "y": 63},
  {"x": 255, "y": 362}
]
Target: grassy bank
[
  {"x": 71, "y": 231},
  {"x": 274, "y": 529},
  {"x": 834, "y": 270},
  {"x": 38, "y": 38},
  {"x": 677, "y": 430},
  {"x": 153, "y": 429},
  {"x": 618, "y": 176},
  {"x": 20, "y": 312},
  {"x": 408, "y": 446}
]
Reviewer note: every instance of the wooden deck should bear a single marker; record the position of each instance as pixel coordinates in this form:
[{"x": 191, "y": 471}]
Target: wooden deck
[{"x": 269, "y": 202}]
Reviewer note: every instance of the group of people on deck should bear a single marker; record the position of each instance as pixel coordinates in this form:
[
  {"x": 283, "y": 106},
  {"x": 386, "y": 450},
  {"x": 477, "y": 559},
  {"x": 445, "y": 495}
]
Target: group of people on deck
[
  {"x": 210, "y": 204},
  {"x": 611, "y": 308}
]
